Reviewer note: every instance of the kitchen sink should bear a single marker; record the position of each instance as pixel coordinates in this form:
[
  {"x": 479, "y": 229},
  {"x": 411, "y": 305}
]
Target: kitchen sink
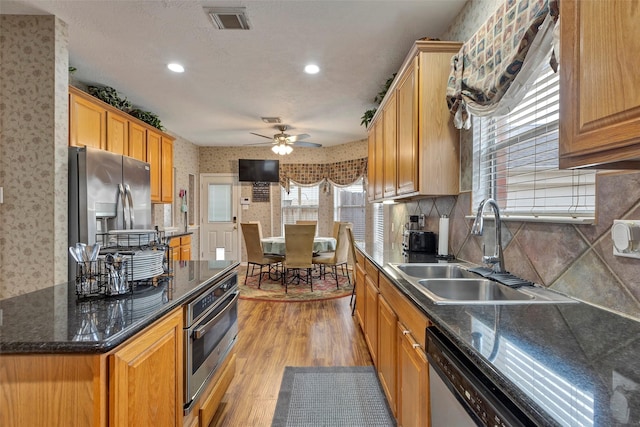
[
  {"x": 434, "y": 271},
  {"x": 455, "y": 284}
]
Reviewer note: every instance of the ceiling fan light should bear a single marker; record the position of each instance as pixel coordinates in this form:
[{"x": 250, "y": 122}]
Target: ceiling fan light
[{"x": 282, "y": 149}]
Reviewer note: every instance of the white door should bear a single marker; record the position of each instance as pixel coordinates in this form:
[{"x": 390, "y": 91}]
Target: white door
[{"x": 219, "y": 229}]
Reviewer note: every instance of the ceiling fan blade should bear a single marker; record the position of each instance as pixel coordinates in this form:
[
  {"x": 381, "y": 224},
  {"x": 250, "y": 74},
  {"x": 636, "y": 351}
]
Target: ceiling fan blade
[
  {"x": 260, "y": 143},
  {"x": 306, "y": 144},
  {"x": 294, "y": 138},
  {"x": 264, "y": 136}
]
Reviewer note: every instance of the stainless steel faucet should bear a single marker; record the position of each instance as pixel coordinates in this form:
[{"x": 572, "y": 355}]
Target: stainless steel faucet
[{"x": 497, "y": 259}]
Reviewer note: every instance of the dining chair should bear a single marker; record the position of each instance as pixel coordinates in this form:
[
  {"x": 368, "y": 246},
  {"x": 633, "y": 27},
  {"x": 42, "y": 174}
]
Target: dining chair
[
  {"x": 339, "y": 257},
  {"x": 252, "y": 233},
  {"x": 308, "y": 222},
  {"x": 298, "y": 241},
  {"x": 354, "y": 259}
]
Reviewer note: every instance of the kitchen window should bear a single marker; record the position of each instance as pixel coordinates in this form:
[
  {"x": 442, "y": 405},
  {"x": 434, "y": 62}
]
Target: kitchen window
[
  {"x": 300, "y": 204},
  {"x": 515, "y": 161},
  {"x": 349, "y": 206}
]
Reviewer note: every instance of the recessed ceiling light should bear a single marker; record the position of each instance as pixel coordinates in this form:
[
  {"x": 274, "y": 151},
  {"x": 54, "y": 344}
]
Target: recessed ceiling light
[
  {"x": 176, "y": 68},
  {"x": 311, "y": 69}
]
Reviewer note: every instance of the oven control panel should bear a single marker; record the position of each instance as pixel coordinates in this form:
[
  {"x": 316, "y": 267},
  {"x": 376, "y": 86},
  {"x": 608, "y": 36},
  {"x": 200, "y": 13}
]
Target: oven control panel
[
  {"x": 481, "y": 399},
  {"x": 210, "y": 297}
]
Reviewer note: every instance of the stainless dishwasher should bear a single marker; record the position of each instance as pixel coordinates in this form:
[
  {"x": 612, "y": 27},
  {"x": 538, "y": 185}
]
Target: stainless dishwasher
[{"x": 460, "y": 394}]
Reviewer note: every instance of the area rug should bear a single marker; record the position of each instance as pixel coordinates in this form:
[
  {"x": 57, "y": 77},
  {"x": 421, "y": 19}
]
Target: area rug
[
  {"x": 331, "y": 396},
  {"x": 272, "y": 290}
]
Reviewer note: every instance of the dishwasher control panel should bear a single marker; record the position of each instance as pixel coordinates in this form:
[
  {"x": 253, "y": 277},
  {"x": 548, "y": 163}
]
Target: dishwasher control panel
[{"x": 481, "y": 399}]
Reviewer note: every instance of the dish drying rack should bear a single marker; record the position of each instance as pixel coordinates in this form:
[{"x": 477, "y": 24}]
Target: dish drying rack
[{"x": 128, "y": 258}]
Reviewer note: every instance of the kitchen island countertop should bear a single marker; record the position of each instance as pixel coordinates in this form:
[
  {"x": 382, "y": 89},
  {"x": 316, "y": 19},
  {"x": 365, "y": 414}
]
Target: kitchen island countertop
[
  {"x": 54, "y": 320},
  {"x": 562, "y": 364}
]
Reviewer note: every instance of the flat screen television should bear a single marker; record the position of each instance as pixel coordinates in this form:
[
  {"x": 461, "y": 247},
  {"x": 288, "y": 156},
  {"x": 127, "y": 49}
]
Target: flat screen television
[{"x": 251, "y": 170}]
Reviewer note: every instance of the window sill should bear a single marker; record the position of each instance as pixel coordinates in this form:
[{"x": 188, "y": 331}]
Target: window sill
[{"x": 549, "y": 219}]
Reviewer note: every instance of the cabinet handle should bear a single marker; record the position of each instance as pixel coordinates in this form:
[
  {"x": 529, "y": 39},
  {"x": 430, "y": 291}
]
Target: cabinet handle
[
  {"x": 415, "y": 345},
  {"x": 406, "y": 332}
]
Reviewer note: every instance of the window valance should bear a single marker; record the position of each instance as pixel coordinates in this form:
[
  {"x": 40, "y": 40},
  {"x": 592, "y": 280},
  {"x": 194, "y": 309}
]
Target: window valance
[
  {"x": 490, "y": 72},
  {"x": 338, "y": 173}
]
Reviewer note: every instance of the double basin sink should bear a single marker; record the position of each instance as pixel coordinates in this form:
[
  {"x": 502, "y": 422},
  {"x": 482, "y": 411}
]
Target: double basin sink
[{"x": 455, "y": 284}]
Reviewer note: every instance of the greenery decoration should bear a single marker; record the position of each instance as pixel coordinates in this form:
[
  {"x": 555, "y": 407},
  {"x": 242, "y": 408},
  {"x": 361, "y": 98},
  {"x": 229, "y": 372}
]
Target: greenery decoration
[
  {"x": 368, "y": 115},
  {"x": 147, "y": 117},
  {"x": 110, "y": 96},
  {"x": 72, "y": 70}
]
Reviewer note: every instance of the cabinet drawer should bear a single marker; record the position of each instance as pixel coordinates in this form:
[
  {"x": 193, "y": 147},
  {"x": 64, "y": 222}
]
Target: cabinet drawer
[
  {"x": 185, "y": 240},
  {"x": 411, "y": 317},
  {"x": 360, "y": 258},
  {"x": 371, "y": 270},
  {"x": 174, "y": 242}
]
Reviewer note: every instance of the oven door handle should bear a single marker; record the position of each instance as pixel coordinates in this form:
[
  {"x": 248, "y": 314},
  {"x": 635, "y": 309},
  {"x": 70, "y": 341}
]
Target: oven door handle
[{"x": 203, "y": 329}]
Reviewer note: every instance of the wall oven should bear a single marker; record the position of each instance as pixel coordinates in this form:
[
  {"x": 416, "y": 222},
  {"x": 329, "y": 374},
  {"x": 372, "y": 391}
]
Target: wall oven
[
  {"x": 460, "y": 394},
  {"x": 211, "y": 329}
]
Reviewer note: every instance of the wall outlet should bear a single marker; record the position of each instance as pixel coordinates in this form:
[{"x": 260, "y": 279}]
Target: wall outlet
[{"x": 626, "y": 238}]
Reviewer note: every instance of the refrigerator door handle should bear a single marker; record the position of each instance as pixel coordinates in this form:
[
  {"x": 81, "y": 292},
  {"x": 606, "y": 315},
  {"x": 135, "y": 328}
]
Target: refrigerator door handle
[
  {"x": 123, "y": 197},
  {"x": 127, "y": 190}
]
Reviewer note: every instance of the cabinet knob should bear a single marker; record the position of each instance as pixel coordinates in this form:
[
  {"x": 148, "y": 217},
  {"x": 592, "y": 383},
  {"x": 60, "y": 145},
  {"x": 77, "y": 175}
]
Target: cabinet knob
[
  {"x": 406, "y": 332},
  {"x": 416, "y": 345}
]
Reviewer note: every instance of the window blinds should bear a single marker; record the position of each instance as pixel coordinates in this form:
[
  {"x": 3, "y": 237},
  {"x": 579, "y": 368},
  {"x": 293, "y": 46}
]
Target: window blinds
[{"x": 515, "y": 160}]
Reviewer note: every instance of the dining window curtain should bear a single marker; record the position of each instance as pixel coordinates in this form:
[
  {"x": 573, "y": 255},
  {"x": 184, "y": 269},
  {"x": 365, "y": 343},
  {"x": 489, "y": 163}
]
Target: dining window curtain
[
  {"x": 489, "y": 74},
  {"x": 324, "y": 174}
]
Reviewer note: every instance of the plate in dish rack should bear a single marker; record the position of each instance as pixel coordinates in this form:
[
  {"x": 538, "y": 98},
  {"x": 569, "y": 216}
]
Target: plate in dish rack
[{"x": 145, "y": 264}]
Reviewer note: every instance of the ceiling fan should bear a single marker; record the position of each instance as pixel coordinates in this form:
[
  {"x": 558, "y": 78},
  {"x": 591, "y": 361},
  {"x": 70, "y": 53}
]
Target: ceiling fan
[{"x": 282, "y": 142}]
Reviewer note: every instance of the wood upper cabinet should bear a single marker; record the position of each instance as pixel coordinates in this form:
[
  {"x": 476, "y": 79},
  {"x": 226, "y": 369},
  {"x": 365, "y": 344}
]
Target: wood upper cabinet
[
  {"x": 371, "y": 161},
  {"x": 599, "y": 84},
  {"x": 145, "y": 385},
  {"x": 166, "y": 164},
  {"x": 154, "y": 158},
  {"x": 427, "y": 155},
  {"x": 390, "y": 148},
  {"x": 387, "y": 350},
  {"x": 160, "y": 159},
  {"x": 87, "y": 121},
  {"x": 137, "y": 141},
  {"x": 117, "y": 133},
  {"x": 407, "y": 93}
]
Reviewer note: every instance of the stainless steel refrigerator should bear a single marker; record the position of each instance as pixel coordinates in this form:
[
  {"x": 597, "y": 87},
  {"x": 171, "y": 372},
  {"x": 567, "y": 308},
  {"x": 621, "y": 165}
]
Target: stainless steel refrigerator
[{"x": 107, "y": 192}]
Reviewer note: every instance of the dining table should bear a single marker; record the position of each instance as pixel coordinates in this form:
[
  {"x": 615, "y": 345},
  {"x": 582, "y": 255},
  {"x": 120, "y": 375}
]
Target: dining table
[{"x": 275, "y": 245}]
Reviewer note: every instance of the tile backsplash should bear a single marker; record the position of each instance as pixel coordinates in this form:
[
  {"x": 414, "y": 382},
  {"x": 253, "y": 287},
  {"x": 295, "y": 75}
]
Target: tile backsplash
[{"x": 576, "y": 260}]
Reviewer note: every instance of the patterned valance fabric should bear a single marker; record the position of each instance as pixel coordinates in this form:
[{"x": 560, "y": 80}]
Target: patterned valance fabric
[
  {"x": 490, "y": 72},
  {"x": 338, "y": 173}
]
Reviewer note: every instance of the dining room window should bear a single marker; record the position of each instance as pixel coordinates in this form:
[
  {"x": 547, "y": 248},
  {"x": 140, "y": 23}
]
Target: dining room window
[
  {"x": 301, "y": 203},
  {"x": 349, "y": 206}
]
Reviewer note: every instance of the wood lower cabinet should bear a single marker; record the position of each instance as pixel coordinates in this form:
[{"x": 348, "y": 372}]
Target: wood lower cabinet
[
  {"x": 181, "y": 248},
  {"x": 87, "y": 121},
  {"x": 360, "y": 294},
  {"x": 599, "y": 84},
  {"x": 146, "y": 377},
  {"x": 387, "y": 351},
  {"x": 371, "y": 318},
  {"x": 413, "y": 380},
  {"x": 137, "y": 384}
]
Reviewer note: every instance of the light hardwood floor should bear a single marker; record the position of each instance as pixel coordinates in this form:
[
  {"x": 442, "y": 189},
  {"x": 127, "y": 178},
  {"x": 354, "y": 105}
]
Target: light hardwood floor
[{"x": 275, "y": 335}]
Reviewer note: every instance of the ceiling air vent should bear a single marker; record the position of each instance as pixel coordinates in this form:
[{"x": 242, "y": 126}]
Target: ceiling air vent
[
  {"x": 228, "y": 18},
  {"x": 272, "y": 120}
]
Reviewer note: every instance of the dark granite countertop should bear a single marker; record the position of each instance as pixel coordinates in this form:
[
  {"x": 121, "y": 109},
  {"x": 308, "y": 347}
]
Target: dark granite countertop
[
  {"x": 172, "y": 234},
  {"x": 53, "y": 320},
  {"x": 563, "y": 364}
]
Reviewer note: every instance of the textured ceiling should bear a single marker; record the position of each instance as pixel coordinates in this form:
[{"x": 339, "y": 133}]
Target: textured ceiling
[{"x": 234, "y": 77}]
